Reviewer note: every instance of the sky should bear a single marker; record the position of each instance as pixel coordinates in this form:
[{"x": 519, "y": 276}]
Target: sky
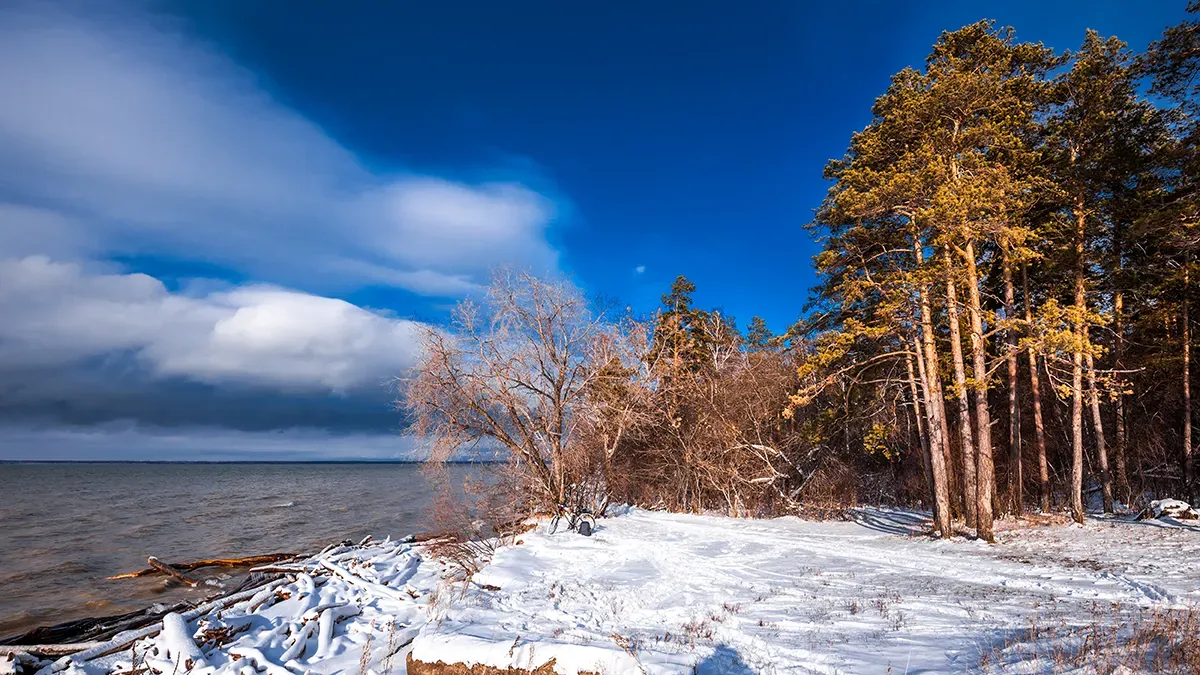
[{"x": 224, "y": 224}]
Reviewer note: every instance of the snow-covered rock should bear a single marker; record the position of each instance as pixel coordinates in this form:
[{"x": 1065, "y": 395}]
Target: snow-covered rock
[{"x": 1173, "y": 508}]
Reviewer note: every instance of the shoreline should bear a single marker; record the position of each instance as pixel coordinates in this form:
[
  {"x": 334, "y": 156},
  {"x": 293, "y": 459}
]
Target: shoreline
[{"x": 664, "y": 593}]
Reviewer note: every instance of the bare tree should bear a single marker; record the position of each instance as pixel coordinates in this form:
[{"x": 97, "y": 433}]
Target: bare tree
[{"x": 510, "y": 371}]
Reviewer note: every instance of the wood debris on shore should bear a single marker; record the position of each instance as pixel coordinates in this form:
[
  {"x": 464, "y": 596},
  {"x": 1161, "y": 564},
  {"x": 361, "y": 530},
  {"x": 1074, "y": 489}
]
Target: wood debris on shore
[{"x": 289, "y": 606}]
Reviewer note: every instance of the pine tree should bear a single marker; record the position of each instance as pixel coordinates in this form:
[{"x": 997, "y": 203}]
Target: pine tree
[{"x": 1173, "y": 64}]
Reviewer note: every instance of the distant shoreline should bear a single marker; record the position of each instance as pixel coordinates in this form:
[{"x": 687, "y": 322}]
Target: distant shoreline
[{"x": 237, "y": 461}]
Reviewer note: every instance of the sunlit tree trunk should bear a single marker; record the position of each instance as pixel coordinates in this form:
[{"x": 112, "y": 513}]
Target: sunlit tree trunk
[
  {"x": 1187, "y": 387},
  {"x": 926, "y": 441},
  {"x": 1098, "y": 424},
  {"x": 1016, "y": 475},
  {"x": 985, "y": 473},
  {"x": 1077, "y": 369},
  {"x": 1036, "y": 391},
  {"x": 937, "y": 409},
  {"x": 916, "y": 401},
  {"x": 1119, "y": 359},
  {"x": 966, "y": 436}
]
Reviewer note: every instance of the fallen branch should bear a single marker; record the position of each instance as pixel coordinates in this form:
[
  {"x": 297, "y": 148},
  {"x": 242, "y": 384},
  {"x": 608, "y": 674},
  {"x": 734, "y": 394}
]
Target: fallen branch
[
  {"x": 48, "y": 650},
  {"x": 78, "y": 652},
  {"x": 118, "y": 643},
  {"x": 94, "y": 629},
  {"x": 211, "y": 562},
  {"x": 171, "y": 571}
]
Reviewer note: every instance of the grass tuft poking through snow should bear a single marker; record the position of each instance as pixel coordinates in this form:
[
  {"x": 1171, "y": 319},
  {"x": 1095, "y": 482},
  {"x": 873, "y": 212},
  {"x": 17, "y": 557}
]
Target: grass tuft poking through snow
[{"x": 1117, "y": 639}]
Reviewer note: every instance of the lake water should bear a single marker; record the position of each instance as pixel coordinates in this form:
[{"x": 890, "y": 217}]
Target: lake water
[{"x": 64, "y": 527}]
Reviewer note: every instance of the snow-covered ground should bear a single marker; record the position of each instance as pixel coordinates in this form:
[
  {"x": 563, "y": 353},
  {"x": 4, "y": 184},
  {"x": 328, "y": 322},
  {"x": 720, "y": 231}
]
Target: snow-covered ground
[
  {"x": 350, "y": 609},
  {"x": 663, "y": 593}
]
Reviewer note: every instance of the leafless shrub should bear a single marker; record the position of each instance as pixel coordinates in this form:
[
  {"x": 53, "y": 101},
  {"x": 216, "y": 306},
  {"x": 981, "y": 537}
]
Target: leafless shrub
[
  {"x": 511, "y": 371},
  {"x": 473, "y": 520}
]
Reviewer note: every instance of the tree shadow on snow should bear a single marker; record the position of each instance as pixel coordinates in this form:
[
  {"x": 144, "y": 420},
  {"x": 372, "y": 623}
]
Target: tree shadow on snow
[
  {"x": 1163, "y": 522},
  {"x": 906, "y": 523},
  {"x": 724, "y": 661}
]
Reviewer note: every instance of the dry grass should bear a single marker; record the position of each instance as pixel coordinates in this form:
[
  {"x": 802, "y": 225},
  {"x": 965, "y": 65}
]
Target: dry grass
[
  {"x": 1030, "y": 520},
  {"x": 1117, "y": 639}
]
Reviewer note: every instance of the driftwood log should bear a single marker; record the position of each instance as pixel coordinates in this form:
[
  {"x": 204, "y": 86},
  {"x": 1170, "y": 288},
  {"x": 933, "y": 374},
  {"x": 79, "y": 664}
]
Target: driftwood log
[
  {"x": 48, "y": 650},
  {"x": 96, "y": 629},
  {"x": 84, "y": 651},
  {"x": 71, "y": 634},
  {"x": 88, "y": 638},
  {"x": 179, "y": 568},
  {"x": 171, "y": 571}
]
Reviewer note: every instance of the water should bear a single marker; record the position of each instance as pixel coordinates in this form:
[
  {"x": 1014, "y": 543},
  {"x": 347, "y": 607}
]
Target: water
[{"x": 64, "y": 527}]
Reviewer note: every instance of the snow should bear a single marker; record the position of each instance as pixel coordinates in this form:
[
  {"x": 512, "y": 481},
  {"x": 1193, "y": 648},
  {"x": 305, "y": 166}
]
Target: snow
[
  {"x": 662, "y": 593},
  {"x": 1173, "y": 508},
  {"x": 328, "y": 613},
  {"x": 177, "y": 640},
  {"x": 658, "y": 593}
]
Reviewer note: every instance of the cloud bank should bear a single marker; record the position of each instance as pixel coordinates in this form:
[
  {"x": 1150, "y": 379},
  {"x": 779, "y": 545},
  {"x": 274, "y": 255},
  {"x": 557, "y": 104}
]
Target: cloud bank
[
  {"x": 56, "y": 314},
  {"x": 123, "y": 136},
  {"x": 124, "y": 139}
]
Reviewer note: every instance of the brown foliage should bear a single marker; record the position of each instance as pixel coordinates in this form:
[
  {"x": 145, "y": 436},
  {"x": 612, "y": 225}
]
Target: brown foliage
[{"x": 676, "y": 412}]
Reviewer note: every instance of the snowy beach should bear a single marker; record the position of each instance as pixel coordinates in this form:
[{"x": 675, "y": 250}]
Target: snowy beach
[
  {"x": 653, "y": 592},
  {"x": 87, "y": 521}
]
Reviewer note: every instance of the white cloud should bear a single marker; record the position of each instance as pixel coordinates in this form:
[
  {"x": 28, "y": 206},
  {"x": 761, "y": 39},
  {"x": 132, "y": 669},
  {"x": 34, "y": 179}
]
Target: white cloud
[
  {"x": 640, "y": 269},
  {"x": 131, "y": 138},
  {"x": 58, "y": 313}
]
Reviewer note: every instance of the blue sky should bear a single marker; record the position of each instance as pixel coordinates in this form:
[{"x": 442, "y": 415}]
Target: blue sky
[{"x": 224, "y": 219}]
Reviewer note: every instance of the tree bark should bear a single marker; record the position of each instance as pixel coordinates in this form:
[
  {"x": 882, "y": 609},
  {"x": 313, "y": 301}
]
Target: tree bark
[
  {"x": 1035, "y": 390},
  {"x": 1122, "y": 477},
  {"x": 1077, "y": 369},
  {"x": 916, "y": 399},
  {"x": 966, "y": 436},
  {"x": 1187, "y": 389},
  {"x": 985, "y": 474},
  {"x": 1119, "y": 403},
  {"x": 1016, "y": 473},
  {"x": 937, "y": 409},
  {"x": 923, "y": 426},
  {"x": 1106, "y": 483}
]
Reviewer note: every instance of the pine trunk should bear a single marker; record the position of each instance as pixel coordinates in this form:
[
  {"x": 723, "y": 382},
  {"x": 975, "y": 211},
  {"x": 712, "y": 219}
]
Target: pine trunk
[
  {"x": 964, "y": 404},
  {"x": 1187, "y": 390},
  {"x": 924, "y": 426},
  {"x": 1119, "y": 403},
  {"x": 1106, "y": 483},
  {"x": 1035, "y": 389},
  {"x": 1077, "y": 371},
  {"x": 937, "y": 409},
  {"x": 1016, "y": 473},
  {"x": 1122, "y": 478},
  {"x": 916, "y": 400},
  {"x": 985, "y": 474}
]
